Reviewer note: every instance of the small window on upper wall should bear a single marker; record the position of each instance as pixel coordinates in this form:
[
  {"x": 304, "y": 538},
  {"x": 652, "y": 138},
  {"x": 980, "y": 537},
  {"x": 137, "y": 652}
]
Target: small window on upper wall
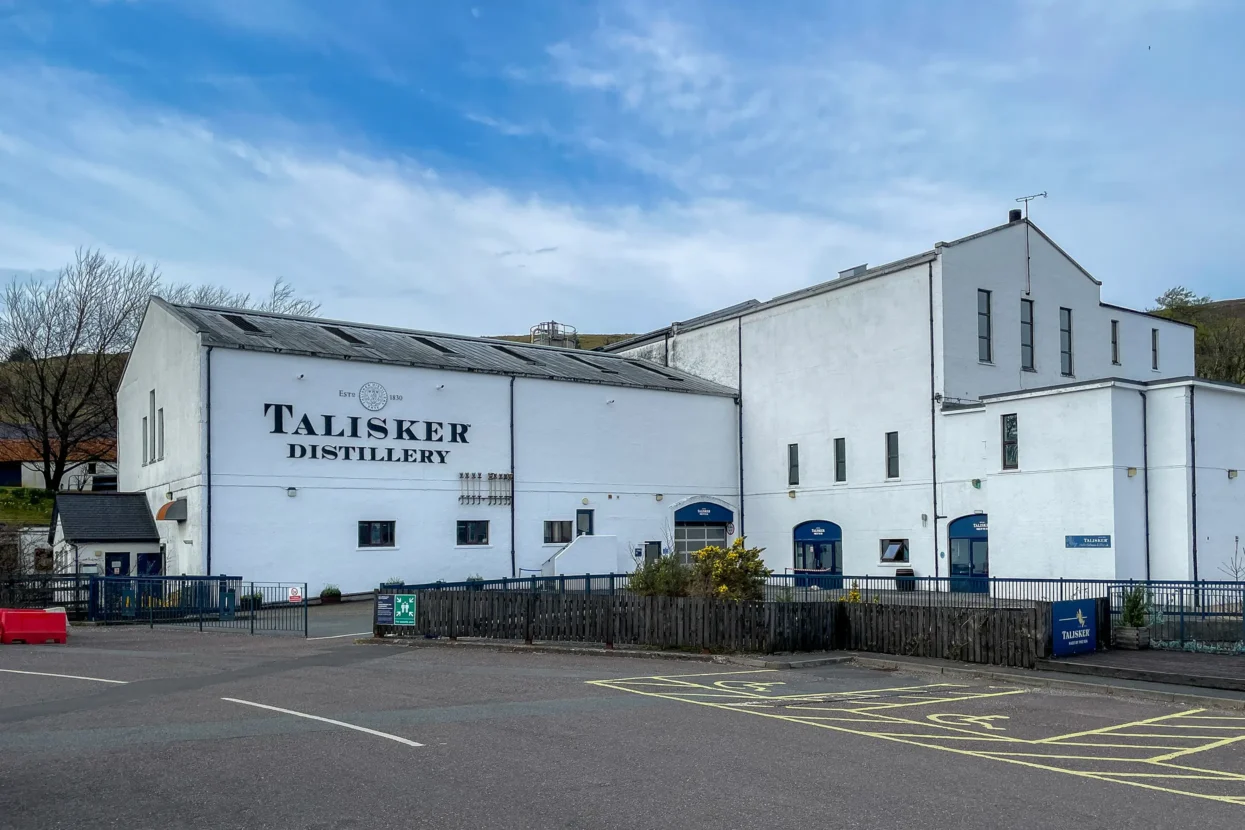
[
  {"x": 1011, "y": 443},
  {"x": 894, "y": 550},
  {"x": 1026, "y": 336},
  {"x": 1154, "y": 349},
  {"x": 985, "y": 335},
  {"x": 793, "y": 464},
  {"x": 1115, "y": 342},
  {"x": 558, "y": 532},
  {"x": 892, "y": 455},
  {"x": 1065, "y": 342},
  {"x": 472, "y": 532},
  {"x": 376, "y": 534},
  {"x": 840, "y": 459}
]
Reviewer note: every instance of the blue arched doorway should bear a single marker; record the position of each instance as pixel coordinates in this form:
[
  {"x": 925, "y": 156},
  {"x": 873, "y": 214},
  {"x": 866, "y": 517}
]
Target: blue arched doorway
[
  {"x": 818, "y": 549},
  {"x": 968, "y": 537}
]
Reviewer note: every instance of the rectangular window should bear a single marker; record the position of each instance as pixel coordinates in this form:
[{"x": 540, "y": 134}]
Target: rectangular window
[
  {"x": 985, "y": 340},
  {"x": 793, "y": 464},
  {"x": 583, "y": 523},
  {"x": 151, "y": 424},
  {"x": 557, "y": 533},
  {"x": 1011, "y": 445},
  {"x": 840, "y": 459},
  {"x": 1154, "y": 349},
  {"x": 473, "y": 532},
  {"x": 160, "y": 433},
  {"x": 892, "y": 455},
  {"x": 894, "y": 550},
  {"x": 1065, "y": 341},
  {"x": 1026, "y": 335},
  {"x": 376, "y": 534},
  {"x": 146, "y": 457},
  {"x": 1115, "y": 342}
]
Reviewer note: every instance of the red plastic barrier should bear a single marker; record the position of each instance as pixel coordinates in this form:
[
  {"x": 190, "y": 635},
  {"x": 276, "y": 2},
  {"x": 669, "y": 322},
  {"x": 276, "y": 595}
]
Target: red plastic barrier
[{"x": 23, "y": 626}]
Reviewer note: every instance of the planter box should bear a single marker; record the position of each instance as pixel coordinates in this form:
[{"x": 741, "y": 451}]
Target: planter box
[
  {"x": 1130, "y": 638},
  {"x": 329, "y": 600}
]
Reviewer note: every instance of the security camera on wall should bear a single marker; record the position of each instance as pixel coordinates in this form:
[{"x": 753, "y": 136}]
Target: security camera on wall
[{"x": 301, "y": 376}]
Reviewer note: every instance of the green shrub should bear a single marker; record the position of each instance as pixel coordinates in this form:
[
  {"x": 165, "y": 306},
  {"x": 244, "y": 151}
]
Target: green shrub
[
  {"x": 1136, "y": 607},
  {"x": 736, "y": 572},
  {"x": 474, "y": 578},
  {"x": 664, "y": 576},
  {"x": 330, "y": 591}
]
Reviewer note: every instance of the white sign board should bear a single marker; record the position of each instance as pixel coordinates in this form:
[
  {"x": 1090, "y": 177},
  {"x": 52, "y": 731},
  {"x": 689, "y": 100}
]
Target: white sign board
[{"x": 296, "y": 594}]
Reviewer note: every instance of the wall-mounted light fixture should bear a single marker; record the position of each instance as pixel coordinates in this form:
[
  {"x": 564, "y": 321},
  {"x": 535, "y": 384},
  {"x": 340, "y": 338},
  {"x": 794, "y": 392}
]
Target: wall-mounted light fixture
[
  {"x": 1231, "y": 473},
  {"x": 168, "y": 496},
  {"x": 291, "y": 491},
  {"x": 1132, "y": 471},
  {"x": 790, "y": 494},
  {"x": 977, "y": 483},
  {"x": 659, "y": 497},
  {"x": 585, "y": 500}
]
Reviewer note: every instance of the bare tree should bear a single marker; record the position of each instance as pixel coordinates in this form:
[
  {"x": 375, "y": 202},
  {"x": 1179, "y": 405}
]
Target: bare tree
[
  {"x": 70, "y": 337},
  {"x": 1234, "y": 568},
  {"x": 67, "y": 341}
]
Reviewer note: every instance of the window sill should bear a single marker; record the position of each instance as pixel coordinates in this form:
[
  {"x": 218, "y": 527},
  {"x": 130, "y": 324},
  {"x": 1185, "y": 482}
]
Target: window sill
[
  {"x": 894, "y": 564},
  {"x": 1065, "y": 375},
  {"x": 1007, "y": 470},
  {"x": 472, "y": 547},
  {"x": 1028, "y": 369},
  {"x": 1116, "y": 363},
  {"x": 981, "y": 362},
  {"x": 379, "y": 547}
]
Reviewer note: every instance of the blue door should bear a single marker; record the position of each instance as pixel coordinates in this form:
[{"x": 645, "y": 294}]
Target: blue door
[
  {"x": 117, "y": 564},
  {"x": 970, "y": 553},
  {"x": 818, "y": 554}
]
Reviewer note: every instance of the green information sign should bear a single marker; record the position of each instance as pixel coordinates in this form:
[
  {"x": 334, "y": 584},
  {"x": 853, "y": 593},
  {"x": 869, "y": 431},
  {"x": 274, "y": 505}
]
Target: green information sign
[{"x": 403, "y": 609}]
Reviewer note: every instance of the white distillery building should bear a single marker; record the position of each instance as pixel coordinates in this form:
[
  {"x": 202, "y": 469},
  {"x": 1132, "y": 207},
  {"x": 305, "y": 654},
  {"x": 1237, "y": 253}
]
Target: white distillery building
[
  {"x": 972, "y": 410},
  {"x": 285, "y": 448}
]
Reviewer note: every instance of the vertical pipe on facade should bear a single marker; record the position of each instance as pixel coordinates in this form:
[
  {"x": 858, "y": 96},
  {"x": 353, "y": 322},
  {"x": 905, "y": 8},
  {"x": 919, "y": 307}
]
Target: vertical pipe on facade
[
  {"x": 207, "y": 490},
  {"x": 933, "y": 418},
  {"x": 1145, "y": 475},
  {"x": 513, "y": 485},
  {"x": 739, "y": 406},
  {"x": 1193, "y": 464}
]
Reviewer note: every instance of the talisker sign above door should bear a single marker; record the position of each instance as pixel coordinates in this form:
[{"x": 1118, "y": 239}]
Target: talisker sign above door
[{"x": 316, "y": 435}]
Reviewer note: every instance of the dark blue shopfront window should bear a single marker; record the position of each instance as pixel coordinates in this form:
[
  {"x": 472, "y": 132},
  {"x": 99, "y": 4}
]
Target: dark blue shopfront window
[
  {"x": 818, "y": 554},
  {"x": 970, "y": 553},
  {"x": 704, "y": 512}
]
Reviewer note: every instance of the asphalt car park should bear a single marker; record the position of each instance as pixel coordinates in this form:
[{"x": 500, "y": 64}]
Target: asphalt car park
[{"x": 218, "y": 729}]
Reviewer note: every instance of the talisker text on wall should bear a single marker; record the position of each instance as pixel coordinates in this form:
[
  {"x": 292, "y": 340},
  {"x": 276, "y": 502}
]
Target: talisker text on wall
[{"x": 282, "y": 421}]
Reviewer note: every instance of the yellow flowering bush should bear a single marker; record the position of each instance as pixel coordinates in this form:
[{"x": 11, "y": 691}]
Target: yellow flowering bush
[{"x": 736, "y": 572}]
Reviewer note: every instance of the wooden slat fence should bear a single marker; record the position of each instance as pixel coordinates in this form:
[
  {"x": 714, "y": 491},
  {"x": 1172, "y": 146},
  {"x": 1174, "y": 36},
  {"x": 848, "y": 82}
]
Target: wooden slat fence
[{"x": 998, "y": 636}]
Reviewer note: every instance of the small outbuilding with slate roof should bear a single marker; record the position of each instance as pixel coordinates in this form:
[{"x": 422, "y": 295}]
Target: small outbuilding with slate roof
[{"x": 106, "y": 533}]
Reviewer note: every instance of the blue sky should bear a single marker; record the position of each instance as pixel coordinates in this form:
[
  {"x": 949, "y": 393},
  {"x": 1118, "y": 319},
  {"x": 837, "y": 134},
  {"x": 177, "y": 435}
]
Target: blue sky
[{"x": 480, "y": 166}]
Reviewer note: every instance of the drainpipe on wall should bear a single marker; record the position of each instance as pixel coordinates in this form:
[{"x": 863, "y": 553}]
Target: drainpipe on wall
[
  {"x": 933, "y": 419},
  {"x": 1193, "y": 461},
  {"x": 207, "y": 528},
  {"x": 513, "y": 572},
  {"x": 1145, "y": 475},
  {"x": 739, "y": 406}
]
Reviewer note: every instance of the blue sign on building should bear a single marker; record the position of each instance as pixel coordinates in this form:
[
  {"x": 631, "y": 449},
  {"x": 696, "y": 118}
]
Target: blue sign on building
[
  {"x": 1087, "y": 541},
  {"x": 1075, "y": 626}
]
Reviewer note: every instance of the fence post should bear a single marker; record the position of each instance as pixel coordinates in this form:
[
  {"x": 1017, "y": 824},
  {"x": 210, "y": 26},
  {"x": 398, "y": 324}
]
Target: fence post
[
  {"x": 251, "y": 605},
  {"x": 562, "y": 583},
  {"x": 528, "y": 607},
  {"x": 305, "y": 632},
  {"x": 609, "y": 617},
  {"x": 200, "y": 598},
  {"x": 1182, "y": 615},
  {"x": 453, "y": 634}
]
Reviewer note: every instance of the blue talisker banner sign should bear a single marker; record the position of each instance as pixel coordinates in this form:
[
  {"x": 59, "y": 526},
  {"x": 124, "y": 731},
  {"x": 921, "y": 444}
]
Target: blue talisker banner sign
[
  {"x": 1075, "y": 626},
  {"x": 1087, "y": 541}
]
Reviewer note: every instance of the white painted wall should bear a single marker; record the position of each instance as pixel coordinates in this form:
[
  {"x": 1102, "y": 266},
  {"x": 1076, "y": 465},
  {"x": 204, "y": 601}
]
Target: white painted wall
[
  {"x": 166, "y": 357},
  {"x": 590, "y": 555},
  {"x": 1220, "y": 500}
]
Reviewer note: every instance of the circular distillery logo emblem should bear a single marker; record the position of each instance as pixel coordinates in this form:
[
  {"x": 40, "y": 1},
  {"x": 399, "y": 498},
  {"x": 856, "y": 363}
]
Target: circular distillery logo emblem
[{"x": 373, "y": 396}]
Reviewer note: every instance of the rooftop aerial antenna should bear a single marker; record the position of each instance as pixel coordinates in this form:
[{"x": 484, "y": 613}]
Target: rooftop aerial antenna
[{"x": 1027, "y": 200}]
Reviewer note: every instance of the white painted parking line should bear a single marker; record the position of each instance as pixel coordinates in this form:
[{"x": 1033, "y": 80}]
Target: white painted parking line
[
  {"x": 66, "y": 676},
  {"x": 324, "y": 720},
  {"x": 339, "y": 636}
]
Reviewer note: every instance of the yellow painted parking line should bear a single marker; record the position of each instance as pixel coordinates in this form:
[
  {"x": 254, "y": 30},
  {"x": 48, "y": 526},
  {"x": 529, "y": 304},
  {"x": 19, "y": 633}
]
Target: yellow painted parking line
[
  {"x": 675, "y": 676},
  {"x": 1119, "y": 726},
  {"x": 1192, "y": 750}
]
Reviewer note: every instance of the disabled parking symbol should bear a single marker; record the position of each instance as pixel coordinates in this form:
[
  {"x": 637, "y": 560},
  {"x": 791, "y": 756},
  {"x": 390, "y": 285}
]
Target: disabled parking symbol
[{"x": 983, "y": 721}]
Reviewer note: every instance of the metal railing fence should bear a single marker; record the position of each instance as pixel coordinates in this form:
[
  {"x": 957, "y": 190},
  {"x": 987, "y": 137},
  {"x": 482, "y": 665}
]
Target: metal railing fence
[{"x": 204, "y": 602}]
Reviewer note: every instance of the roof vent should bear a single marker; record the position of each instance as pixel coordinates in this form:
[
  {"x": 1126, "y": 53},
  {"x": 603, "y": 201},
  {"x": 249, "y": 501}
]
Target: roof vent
[
  {"x": 432, "y": 344},
  {"x": 1013, "y": 215},
  {"x": 244, "y": 324},
  {"x": 515, "y": 355},
  {"x": 344, "y": 335},
  {"x": 854, "y": 271}
]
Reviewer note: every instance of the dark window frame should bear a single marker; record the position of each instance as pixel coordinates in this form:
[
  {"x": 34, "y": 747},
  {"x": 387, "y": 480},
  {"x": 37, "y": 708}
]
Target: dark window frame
[
  {"x": 551, "y": 538},
  {"x": 840, "y": 460},
  {"x": 591, "y": 516},
  {"x": 473, "y": 540},
  {"x": 793, "y": 465},
  {"x": 903, "y": 554},
  {"x": 985, "y": 320},
  {"x": 1013, "y": 442},
  {"x": 1115, "y": 342},
  {"x": 1028, "y": 361},
  {"x": 381, "y": 533},
  {"x": 1067, "y": 366},
  {"x": 1154, "y": 349},
  {"x": 892, "y": 455}
]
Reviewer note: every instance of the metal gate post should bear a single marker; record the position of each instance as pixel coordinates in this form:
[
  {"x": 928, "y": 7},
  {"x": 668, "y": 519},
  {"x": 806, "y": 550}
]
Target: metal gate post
[
  {"x": 254, "y": 610},
  {"x": 200, "y": 595},
  {"x": 529, "y": 603},
  {"x": 609, "y": 616},
  {"x": 305, "y": 609}
]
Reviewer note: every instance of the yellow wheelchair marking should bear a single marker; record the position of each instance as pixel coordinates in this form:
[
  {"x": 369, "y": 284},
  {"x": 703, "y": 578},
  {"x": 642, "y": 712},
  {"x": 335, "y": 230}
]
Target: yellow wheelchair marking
[{"x": 878, "y": 713}]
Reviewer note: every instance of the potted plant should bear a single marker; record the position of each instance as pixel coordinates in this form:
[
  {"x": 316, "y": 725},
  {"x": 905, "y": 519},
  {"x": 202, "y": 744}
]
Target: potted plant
[
  {"x": 330, "y": 594},
  {"x": 475, "y": 582},
  {"x": 251, "y": 602},
  {"x": 1133, "y": 633},
  {"x": 392, "y": 583}
]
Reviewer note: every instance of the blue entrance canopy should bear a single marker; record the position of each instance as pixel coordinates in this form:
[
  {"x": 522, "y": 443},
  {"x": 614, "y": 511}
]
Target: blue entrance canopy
[
  {"x": 704, "y": 511},
  {"x": 818, "y": 531},
  {"x": 969, "y": 527}
]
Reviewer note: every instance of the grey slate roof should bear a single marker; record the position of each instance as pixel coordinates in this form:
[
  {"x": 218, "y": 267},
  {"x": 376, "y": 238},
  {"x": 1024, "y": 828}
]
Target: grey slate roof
[
  {"x": 105, "y": 517},
  {"x": 287, "y": 334}
]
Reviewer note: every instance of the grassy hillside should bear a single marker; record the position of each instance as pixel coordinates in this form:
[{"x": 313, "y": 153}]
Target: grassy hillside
[
  {"x": 24, "y": 506},
  {"x": 586, "y": 341}
]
